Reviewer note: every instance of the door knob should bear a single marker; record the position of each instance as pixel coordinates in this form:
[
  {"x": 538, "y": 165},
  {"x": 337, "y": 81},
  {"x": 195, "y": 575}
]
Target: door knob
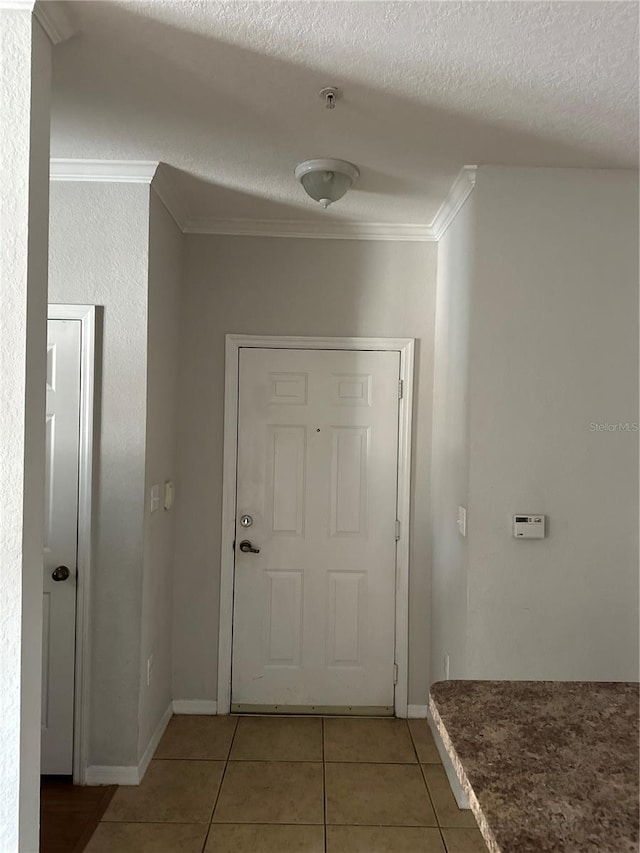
[
  {"x": 61, "y": 573},
  {"x": 247, "y": 548}
]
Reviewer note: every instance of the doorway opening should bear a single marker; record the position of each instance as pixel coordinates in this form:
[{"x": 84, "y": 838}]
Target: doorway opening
[{"x": 71, "y": 379}]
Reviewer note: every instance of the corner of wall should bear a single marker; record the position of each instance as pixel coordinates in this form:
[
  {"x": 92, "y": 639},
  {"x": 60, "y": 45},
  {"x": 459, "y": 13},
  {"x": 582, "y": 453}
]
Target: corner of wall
[
  {"x": 450, "y": 452},
  {"x": 165, "y": 258},
  {"x": 98, "y": 255}
]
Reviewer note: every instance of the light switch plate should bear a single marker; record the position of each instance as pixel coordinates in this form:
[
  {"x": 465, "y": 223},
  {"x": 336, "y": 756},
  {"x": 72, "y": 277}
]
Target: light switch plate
[
  {"x": 169, "y": 494},
  {"x": 462, "y": 521},
  {"x": 154, "y": 504}
]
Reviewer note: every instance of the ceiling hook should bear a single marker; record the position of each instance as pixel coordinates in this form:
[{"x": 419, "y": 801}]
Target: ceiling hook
[{"x": 330, "y": 94}]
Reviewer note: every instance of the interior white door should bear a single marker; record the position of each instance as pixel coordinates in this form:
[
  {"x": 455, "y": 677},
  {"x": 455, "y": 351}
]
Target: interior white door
[
  {"x": 60, "y": 551},
  {"x": 314, "y": 610}
]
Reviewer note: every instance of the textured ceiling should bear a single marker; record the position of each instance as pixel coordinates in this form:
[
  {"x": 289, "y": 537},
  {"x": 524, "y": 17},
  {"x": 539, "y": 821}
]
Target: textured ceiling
[{"x": 226, "y": 93}]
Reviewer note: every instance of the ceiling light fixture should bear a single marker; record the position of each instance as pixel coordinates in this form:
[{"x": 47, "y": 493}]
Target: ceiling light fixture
[{"x": 326, "y": 180}]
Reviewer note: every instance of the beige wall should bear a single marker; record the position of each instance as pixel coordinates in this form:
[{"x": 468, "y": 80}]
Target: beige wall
[
  {"x": 547, "y": 313},
  {"x": 165, "y": 280},
  {"x": 25, "y": 84},
  {"x": 275, "y": 286},
  {"x": 554, "y": 349},
  {"x": 98, "y": 255},
  {"x": 116, "y": 246},
  {"x": 450, "y": 448}
]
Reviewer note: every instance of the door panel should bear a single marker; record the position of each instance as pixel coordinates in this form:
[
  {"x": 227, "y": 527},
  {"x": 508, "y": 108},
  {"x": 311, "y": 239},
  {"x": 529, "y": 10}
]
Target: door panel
[
  {"x": 61, "y": 533},
  {"x": 285, "y": 475},
  {"x": 314, "y": 611},
  {"x": 349, "y": 466}
]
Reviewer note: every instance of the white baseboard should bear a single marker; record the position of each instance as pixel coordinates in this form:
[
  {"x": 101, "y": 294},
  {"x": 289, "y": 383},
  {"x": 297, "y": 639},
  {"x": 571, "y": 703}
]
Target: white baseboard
[
  {"x": 98, "y": 774},
  {"x": 195, "y": 706},
  {"x": 153, "y": 743},
  {"x": 454, "y": 782},
  {"x": 417, "y": 712},
  {"x": 123, "y": 775}
]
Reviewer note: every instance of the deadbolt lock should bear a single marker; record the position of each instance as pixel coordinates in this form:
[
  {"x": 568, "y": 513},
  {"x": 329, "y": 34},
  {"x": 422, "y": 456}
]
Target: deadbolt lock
[{"x": 61, "y": 573}]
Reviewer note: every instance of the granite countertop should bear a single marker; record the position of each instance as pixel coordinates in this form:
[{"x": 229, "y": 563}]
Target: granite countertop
[{"x": 547, "y": 766}]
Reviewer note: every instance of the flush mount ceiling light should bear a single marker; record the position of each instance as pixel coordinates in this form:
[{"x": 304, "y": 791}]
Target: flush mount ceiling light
[{"x": 326, "y": 181}]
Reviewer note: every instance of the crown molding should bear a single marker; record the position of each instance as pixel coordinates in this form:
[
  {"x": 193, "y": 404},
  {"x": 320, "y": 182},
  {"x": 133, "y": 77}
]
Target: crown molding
[
  {"x": 103, "y": 171},
  {"x": 157, "y": 175},
  {"x": 460, "y": 191},
  {"x": 53, "y": 17},
  {"x": 169, "y": 196},
  {"x": 17, "y": 5},
  {"x": 314, "y": 230},
  {"x": 123, "y": 172}
]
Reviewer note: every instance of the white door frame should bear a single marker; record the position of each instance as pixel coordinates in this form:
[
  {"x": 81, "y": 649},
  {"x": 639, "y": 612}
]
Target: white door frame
[
  {"x": 86, "y": 314},
  {"x": 234, "y": 343}
]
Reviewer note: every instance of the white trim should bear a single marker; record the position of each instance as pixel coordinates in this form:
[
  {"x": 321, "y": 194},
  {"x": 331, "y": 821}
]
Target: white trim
[
  {"x": 156, "y": 737},
  {"x": 166, "y": 192},
  {"x": 103, "y": 171},
  {"x": 148, "y": 172},
  {"x": 452, "y": 776},
  {"x": 404, "y": 515},
  {"x": 195, "y": 706},
  {"x": 17, "y": 5},
  {"x": 52, "y": 16},
  {"x": 330, "y": 230},
  {"x": 122, "y": 172},
  {"x": 86, "y": 315},
  {"x": 106, "y": 774},
  {"x": 99, "y": 774},
  {"x": 233, "y": 344},
  {"x": 456, "y": 197},
  {"x": 417, "y": 712}
]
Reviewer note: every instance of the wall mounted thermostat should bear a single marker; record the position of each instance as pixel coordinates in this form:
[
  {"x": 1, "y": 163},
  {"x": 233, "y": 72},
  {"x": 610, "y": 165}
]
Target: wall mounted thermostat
[{"x": 528, "y": 526}]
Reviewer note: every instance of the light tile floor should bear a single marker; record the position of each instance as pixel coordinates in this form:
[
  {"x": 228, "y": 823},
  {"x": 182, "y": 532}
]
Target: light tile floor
[{"x": 290, "y": 785}]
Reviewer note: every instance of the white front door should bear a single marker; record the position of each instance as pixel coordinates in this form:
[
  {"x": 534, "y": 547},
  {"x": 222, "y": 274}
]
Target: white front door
[
  {"x": 314, "y": 610},
  {"x": 61, "y": 534}
]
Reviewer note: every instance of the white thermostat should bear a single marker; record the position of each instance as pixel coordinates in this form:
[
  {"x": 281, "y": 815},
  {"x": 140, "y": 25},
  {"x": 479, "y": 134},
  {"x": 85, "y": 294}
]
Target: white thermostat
[{"x": 528, "y": 526}]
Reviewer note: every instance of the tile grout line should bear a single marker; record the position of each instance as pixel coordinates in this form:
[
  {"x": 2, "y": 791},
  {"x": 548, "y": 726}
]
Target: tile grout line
[
  {"x": 422, "y": 766},
  {"x": 394, "y": 763},
  {"x": 217, "y": 797},
  {"x": 100, "y": 808},
  {"x": 324, "y": 790},
  {"x": 426, "y": 785},
  {"x": 312, "y": 825},
  {"x": 208, "y": 826},
  {"x": 444, "y": 840},
  {"x": 433, "y": 806}
]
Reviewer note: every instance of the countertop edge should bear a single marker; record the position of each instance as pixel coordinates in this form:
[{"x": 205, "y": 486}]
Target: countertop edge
[{"x": 483, "y": 825}]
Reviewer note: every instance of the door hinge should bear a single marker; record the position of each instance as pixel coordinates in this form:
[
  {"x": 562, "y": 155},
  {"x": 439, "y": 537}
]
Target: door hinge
[
  {"x": 395, "y": 673},
  {"x": 397, "y": 530},
  {"x": 400, "y": 389}
]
